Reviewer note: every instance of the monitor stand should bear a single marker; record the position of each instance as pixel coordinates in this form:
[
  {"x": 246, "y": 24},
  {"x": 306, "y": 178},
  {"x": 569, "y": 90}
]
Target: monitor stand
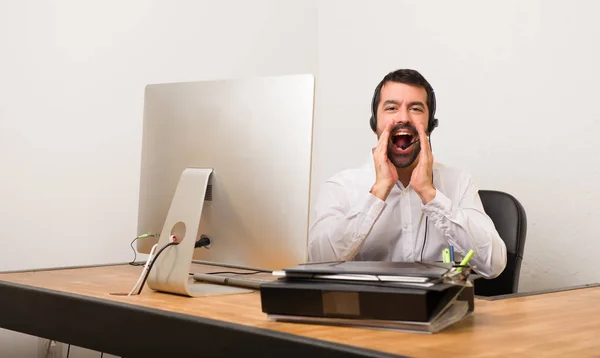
[{"x": 170, "y": 272}]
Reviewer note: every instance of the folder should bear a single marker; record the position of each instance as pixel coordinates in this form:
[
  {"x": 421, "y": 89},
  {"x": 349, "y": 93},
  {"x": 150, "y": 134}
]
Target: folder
[{"x": 308, "y": 294}]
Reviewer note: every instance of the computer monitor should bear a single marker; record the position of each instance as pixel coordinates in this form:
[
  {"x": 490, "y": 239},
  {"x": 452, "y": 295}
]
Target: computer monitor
[{"x": 249, "y": 142}]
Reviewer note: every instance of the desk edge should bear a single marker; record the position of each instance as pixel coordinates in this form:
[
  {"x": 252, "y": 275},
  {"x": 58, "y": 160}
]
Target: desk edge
[{"x": 111, "y": 327}]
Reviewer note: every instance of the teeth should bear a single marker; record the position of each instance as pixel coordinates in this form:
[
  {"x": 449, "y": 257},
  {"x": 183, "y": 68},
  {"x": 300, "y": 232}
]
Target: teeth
[{"x": 401, "y": 133}]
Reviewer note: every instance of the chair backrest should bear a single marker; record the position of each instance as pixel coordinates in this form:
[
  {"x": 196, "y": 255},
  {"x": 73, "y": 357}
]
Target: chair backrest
[{"x": 510, "y": 220}]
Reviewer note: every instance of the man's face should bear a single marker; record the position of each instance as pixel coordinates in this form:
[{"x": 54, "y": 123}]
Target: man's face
[{"x": 406, "y": 107}]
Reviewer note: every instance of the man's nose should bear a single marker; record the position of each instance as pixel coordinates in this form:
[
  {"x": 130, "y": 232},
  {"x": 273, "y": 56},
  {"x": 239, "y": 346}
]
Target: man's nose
[{"x": 401, "y": 117}]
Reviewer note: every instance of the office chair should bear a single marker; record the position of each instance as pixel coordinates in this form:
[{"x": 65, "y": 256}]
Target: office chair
[{"x": 510, "y": 220}]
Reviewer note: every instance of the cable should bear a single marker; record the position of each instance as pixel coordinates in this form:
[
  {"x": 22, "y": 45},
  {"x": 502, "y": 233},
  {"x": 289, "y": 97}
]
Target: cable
[
  {"x": 201, "y": 262},
  {"x": 152, "y": 263},
  {"x": 427, "y": 217},
  {"x": 143, "y": 236},
  {"x": 101, "y": 354},
  {"x": 228, "y": 273},
  {"x": 68, "y": 350},
  {"x": 203, "y": 242},
  {"x": 425, "y": 239},
  {"x": 145, "y": 270},
  {"x": 48, "y": 348},
  {"x": 234, "y": 273},
  {"x": 133, "y": 263}
]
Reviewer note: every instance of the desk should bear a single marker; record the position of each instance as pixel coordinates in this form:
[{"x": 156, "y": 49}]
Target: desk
[{"x": 75, "y": 306}]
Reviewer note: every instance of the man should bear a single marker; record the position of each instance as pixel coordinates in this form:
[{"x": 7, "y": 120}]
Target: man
[{"x": 400, "y": 205}]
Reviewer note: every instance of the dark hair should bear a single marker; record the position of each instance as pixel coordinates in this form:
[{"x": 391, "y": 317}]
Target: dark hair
[{"x": 409, "y": 77}]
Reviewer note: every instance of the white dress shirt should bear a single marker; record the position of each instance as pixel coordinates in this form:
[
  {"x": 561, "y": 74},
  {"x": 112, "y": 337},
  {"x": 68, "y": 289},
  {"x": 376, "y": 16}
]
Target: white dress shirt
[{"x": 350, "y": 223}]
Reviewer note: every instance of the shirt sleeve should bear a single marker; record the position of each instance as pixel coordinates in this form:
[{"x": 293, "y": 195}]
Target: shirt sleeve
[
  {"x": 339, "y": 229},
  {"x": 466, "y": 226}
]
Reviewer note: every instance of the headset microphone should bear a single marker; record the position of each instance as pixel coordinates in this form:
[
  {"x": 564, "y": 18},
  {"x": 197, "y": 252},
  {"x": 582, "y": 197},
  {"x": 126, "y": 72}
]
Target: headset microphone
[{"x": 404, "y": 146}]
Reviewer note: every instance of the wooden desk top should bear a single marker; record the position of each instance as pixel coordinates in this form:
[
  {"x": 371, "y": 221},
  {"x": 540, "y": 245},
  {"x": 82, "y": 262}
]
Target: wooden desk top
[{"x": 561, "y": 323}]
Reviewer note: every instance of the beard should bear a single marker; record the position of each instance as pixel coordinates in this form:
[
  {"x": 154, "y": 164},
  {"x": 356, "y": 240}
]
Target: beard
[{"x": 404, "y": 160}]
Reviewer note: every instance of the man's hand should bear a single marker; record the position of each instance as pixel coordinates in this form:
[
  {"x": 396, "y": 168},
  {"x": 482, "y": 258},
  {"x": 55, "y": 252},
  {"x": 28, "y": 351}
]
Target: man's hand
[
  {"x": 385, "y": 171},
  {"x": 421, "y": 178}
]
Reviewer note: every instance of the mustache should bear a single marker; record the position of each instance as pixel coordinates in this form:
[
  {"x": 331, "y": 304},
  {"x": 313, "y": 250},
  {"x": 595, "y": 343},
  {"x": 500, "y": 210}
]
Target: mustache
[{"x": 407, "y": 126}]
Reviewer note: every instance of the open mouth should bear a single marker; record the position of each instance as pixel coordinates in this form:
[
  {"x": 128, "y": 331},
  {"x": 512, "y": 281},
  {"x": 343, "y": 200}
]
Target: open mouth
[{"x": 402, "y": 138}]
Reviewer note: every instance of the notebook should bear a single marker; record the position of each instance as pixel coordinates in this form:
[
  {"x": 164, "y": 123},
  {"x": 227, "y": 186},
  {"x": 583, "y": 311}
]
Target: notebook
[{"x": 381, "y": 271}]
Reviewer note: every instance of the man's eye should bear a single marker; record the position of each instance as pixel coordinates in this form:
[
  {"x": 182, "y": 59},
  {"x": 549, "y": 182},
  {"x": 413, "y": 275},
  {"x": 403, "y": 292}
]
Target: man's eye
[
  {"x": 390, "y": 108},
  {"x": 418, "y": 109}
]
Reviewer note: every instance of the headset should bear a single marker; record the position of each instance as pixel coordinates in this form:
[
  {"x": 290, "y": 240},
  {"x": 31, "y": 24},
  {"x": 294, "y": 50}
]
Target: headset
[{"x": 431, "y": 124}]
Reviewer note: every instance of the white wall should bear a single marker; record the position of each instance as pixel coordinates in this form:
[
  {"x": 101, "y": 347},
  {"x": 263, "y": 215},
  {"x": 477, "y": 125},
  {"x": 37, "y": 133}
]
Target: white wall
[
  {"x": 516, "y": 83},
  {"x": 72, "y": 76}
]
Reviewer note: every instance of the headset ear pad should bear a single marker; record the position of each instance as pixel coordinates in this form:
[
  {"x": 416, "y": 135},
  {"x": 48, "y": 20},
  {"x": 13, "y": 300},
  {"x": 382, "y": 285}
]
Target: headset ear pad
[
  {"x": 373, "y": 120},
  {"x": 432, "y": 124}
]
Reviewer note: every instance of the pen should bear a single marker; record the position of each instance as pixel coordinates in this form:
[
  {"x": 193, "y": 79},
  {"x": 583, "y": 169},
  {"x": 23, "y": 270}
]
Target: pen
[
  {"x": 446, "y": 256},
  {"x": 466, "y": 260},
  {"x": 451, "y": 253}
]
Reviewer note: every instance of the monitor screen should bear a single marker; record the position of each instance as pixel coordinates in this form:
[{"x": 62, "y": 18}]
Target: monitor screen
[{"x": 256, "y": 136}]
